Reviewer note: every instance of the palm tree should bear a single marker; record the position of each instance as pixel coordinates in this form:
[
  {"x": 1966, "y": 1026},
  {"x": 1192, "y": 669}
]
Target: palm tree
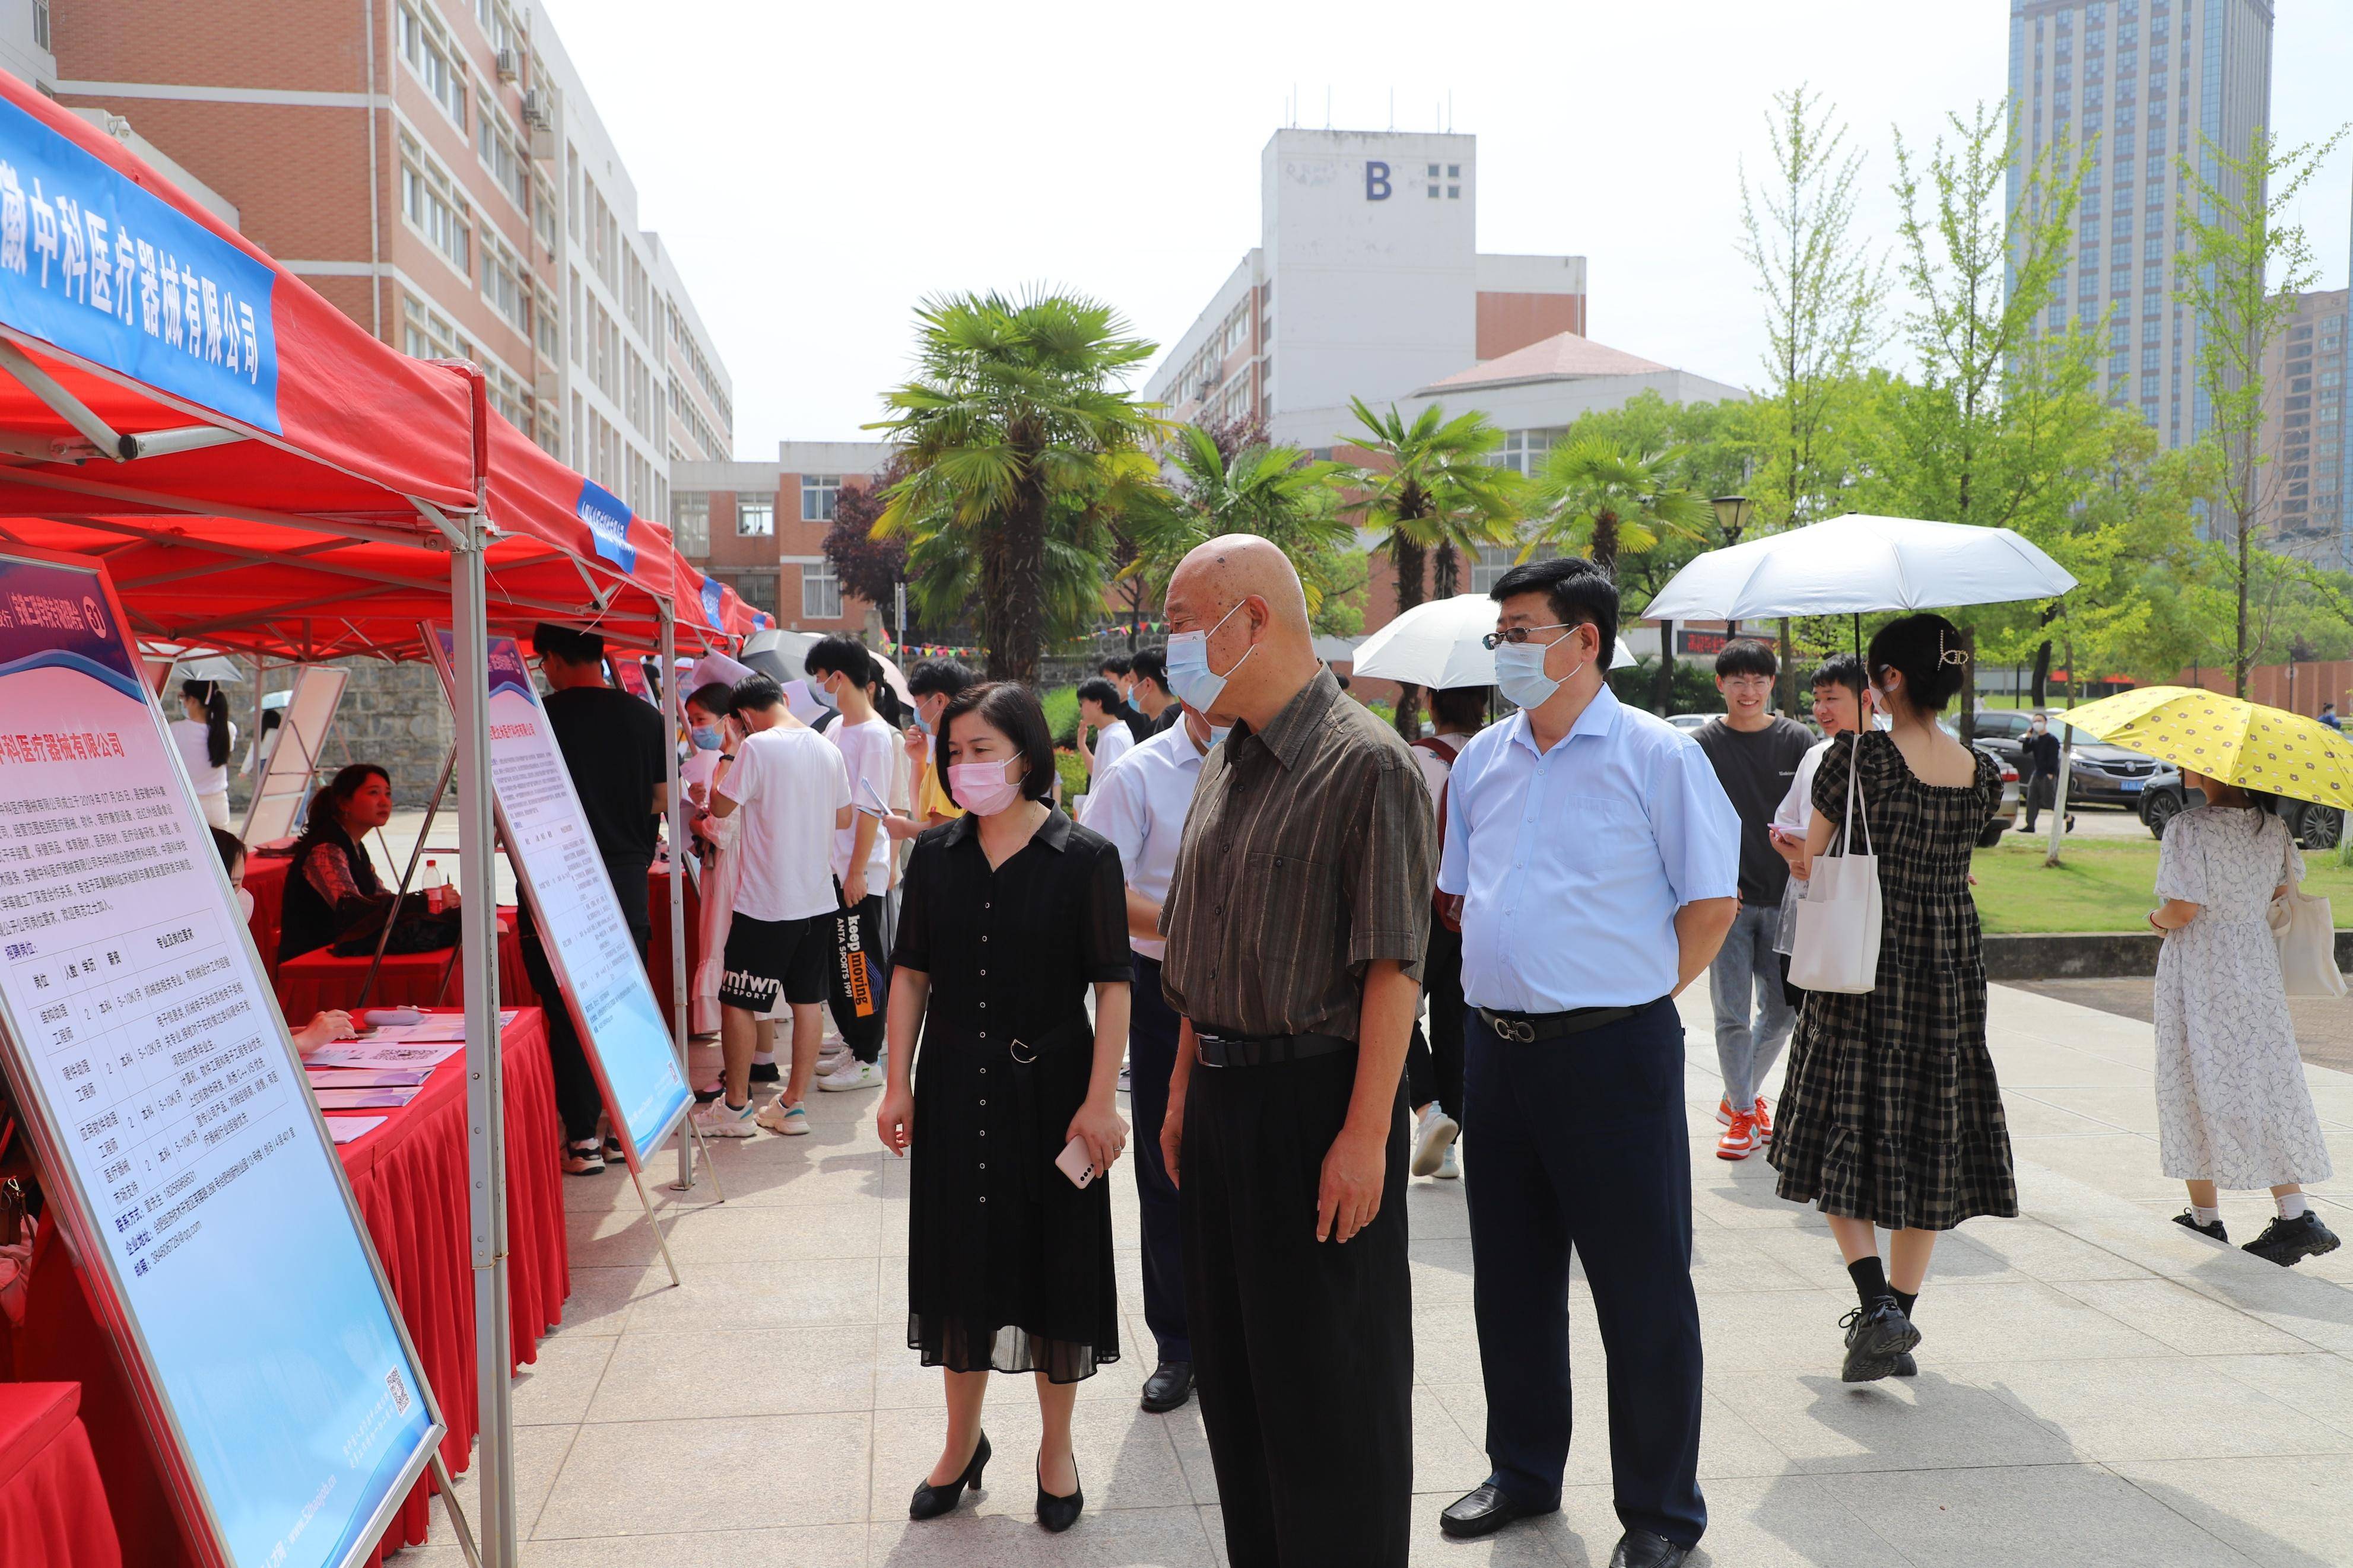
[
  {"x": 1431, "y": 487},
  {"x": 1604, "y": 499},
  {"x": 1013, "y": 425},
  {"x": 1276, "y": 492}
]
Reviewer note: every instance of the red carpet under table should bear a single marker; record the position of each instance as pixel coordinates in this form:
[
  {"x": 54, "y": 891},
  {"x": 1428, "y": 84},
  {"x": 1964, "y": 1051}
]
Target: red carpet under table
[
  {"x": 410, "y": 1176},
  {"x": 52, "y": 1507}
]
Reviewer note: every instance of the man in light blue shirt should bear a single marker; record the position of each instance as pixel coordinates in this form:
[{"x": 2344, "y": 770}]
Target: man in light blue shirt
[{"x": 1598, "y": 859}]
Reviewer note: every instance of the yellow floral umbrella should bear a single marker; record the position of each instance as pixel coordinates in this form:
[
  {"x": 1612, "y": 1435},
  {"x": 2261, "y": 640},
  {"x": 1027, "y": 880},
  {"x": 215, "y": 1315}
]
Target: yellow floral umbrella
[{"x": 2226, "y": 738}]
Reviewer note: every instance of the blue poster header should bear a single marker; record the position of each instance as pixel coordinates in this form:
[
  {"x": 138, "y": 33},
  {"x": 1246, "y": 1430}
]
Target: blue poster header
[
  {"x": 48, "y": 612},
  {"x": 607, "y": 517},
  {"x": 711, "y": 604},
  {"x": 103, "y": 269}
]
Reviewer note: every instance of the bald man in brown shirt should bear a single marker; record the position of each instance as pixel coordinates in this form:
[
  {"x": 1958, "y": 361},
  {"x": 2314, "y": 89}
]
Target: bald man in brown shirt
[{"x": 1296, "y": 924}]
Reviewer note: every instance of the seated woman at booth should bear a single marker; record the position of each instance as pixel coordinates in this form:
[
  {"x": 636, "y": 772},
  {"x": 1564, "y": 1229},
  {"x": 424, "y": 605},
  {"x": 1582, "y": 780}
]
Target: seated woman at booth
[
  {"x": 333, "y": 888},
  {"x": 326, "y": 1028}
]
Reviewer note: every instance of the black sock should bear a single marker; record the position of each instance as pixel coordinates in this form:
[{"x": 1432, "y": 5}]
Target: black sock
[
  {"x": 1870, "y": 1277},
  {"x": 1906, "y": 1301}
]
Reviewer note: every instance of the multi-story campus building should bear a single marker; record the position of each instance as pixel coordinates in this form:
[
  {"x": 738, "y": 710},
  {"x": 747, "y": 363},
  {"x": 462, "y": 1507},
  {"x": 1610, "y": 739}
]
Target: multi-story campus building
[
  {"x": 2306, "y": 505},
  {"x": 760, "y": 528},
  {"x": 436, "y": 168},
  {"x": 2135, "y": 84}
]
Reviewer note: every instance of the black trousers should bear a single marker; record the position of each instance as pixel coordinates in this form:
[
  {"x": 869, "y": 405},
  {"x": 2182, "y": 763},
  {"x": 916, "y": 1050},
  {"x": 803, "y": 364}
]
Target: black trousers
[
  {"x": 1303, "y": 1351},
  {"x": 1433, "y": 1061},
  {"x": 863, "y": 1034},
  {"x": 577, "y": 1101},
  {"x": 1582, "y": 1142},
  {"x": 1151, "y": 1058},
  {"x": 2042, "y": 794}
]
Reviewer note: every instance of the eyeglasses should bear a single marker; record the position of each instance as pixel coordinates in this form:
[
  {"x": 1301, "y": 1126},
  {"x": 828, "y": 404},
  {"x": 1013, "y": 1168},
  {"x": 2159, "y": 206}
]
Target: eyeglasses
[{"x": 1516, "y": 635}]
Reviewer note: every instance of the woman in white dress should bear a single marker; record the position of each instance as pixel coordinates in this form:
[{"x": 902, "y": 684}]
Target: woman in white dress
[
  {"x": 2233, "y": 1109},
  {"x": 205, "y": 737}
]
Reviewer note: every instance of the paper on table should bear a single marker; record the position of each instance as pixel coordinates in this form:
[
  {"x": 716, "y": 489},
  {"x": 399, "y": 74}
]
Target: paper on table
[
  {"x": 352, "y": 1129},
  {"x": 361, "y": 1098},
  {"x": 365, "y": 1078},
  {"x": 381, "y": 1054},
  {"x": 445, "y": 1026}
]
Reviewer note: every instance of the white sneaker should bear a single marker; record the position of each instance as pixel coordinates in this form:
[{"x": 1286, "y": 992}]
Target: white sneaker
[
  {"x": 831, "y": 1056},
  {"x": 721, "y": 1120},
  {"x": 1433, "y": 1140},
  {"x": 853, "y": 1074},
  {"x": 792, "y": 1121},
  {"x": 1448, "y": 1169}
]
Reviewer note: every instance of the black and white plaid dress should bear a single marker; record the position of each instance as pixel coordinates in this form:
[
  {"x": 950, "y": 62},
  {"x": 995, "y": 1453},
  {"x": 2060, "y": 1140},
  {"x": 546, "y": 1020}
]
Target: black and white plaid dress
[{"x": 1890, "y": 1111}]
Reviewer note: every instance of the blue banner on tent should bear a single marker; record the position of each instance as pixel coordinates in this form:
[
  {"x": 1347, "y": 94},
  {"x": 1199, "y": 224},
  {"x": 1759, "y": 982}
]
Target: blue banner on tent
[
  {"x": 710, "y": 603},
  {"x": 105, "y": 269},
  {"x": 607, "y": 517}
]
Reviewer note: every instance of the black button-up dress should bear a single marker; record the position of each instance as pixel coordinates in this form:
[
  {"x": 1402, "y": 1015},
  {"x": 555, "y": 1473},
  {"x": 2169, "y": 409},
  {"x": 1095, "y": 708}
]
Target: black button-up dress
[{"x": 1008, "y": 1266}]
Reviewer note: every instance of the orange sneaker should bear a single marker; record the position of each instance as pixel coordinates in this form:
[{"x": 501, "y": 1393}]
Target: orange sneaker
[
  {"x": 1763, "y": 1122},
  {"x": 1739, "y": 1140},
  {"x": 1723, "y": 1112}
]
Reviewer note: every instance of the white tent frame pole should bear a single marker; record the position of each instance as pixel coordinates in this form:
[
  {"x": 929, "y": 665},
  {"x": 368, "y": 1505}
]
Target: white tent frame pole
[{"x": 486, "y": 1163}]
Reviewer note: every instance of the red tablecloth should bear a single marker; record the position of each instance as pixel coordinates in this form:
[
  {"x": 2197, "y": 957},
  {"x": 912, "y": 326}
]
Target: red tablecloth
[
  {"x": 52, "y": 1505},
  {"x": 409, "y": 1177},
  {"x": 265, "y": 878},
  {"x": 657, "y": 951},
  {"x": 314, "y": 982}
]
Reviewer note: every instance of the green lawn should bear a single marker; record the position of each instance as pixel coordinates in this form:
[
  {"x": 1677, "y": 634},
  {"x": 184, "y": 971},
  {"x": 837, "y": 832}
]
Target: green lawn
[{"x": 2101, "y": 885}]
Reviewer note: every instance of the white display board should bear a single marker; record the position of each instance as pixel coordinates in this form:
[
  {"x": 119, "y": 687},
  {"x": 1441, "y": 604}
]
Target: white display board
[
  {"x": 179, "y": 1149},
  {"x": 293, "y": 762},
  {"x": 625, "y": 1033}
]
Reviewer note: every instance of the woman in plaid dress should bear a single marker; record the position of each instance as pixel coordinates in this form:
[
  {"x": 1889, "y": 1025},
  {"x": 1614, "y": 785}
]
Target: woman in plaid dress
[{"x": 1890, "y": 1113}]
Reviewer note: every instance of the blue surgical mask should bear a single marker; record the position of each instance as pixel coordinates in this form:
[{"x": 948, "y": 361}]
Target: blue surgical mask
[
  {"x": 1520, "y": 674},
  {"x": 824, "y": 694},
  {"x": 1195, "y": 684},
  {"x": 1218, "y": 734},
  {"x": 923, "y": 723},
  {"x": 706, "y": 737}
]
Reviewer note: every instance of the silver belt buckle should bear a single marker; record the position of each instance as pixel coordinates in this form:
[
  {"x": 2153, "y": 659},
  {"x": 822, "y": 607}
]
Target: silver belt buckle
[
  {"x": 1201, "y": 1056},
  {"x": 1512, "y": 1029},
  {"x": 1015, "y": 1050}
]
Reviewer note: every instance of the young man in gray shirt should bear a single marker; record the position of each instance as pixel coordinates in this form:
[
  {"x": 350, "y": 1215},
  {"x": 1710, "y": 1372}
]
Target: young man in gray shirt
[{"x": 1756, "y": 754}]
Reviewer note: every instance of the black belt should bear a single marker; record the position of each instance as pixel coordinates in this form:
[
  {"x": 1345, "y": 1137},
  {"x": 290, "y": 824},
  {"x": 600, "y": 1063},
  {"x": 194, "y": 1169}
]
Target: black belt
[
  {"x": 1526, "y": 1028},
  {"x": 1266, "y": 1050},
  {"x": 1032, "y": 1151}
]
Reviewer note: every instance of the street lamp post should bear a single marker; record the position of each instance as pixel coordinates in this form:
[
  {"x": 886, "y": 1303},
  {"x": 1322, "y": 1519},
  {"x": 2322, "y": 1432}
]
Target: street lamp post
[{"x": 1732, "y": 515}]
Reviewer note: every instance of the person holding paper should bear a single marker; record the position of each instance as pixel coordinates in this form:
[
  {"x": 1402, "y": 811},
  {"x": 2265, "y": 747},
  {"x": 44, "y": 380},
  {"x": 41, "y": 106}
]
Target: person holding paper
[
  {"x": 839, "y": 670},
  {"x": 1010, "y": 914}
]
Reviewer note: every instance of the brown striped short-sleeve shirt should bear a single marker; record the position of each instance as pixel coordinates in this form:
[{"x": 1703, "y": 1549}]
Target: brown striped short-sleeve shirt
[{"x": 1310, "y": 851}]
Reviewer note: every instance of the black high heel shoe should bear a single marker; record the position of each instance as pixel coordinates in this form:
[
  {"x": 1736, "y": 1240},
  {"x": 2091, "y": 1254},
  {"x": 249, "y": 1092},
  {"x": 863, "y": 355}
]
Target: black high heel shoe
[
  {"x": 1057, "y": 1514},
  {"x": 930, "y": 1501}
]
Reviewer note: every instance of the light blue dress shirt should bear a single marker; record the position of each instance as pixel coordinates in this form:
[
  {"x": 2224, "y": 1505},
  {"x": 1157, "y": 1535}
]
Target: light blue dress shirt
[{"x": 1572, "y": 864}]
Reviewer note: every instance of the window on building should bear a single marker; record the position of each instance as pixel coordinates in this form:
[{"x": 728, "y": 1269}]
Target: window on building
[
  {"x": 690, "y": 519},
  {"x": 757, "y": 589},
  {"x": 428, "y": 52},
  {"x": 1523, "y": 451},
  {"x": 820, "y": 593},
  {"x": 40, "y": 24},
  {"x": 501, "y": 153},
  {"x": 430, "y": 202},
  {"x": 1495, "y": 559},
  {"x": 546, "y": 328},
  {"x": 425, "y": 333},
  {"x": 503, "y": 282},
  {"x": 756, "y": 518},
  {"x": 820, "y": 493}
]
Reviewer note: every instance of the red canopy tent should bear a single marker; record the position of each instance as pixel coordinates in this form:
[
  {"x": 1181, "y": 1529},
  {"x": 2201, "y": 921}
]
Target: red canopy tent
[{"x": 261, "y": 475}]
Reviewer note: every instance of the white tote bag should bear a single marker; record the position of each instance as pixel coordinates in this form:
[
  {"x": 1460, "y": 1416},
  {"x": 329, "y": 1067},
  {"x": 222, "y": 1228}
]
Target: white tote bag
[
  {"x": 1837, "y": 945},
  {"x": 2305, "y": 930}
]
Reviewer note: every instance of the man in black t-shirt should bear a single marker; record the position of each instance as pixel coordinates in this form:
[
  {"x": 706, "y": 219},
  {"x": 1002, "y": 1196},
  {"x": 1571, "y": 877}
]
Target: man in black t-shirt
[
  {"x": 612, "y": 745},
  {"x": 1756, "y": 754}
]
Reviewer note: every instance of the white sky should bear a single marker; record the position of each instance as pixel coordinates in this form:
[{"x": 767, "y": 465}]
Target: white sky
[{"x": 817, "y": 169}]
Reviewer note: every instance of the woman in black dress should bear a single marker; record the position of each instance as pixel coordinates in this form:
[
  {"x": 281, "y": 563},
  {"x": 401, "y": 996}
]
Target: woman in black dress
[
  {"x": 1007, "y": 915},
  {"x": 1890, "y": 1113}
]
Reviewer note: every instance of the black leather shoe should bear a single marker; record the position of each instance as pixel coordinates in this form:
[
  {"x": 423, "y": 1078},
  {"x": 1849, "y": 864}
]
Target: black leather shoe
[
  {"x": 1483, "y": 1510},
  {"x": 2287, "y": 1242},
  {"x": 2188, "y": 1220},
  {"x": 930, "y": 1501},
  {"x": 1169, "y": 1386},
  {"x": 1640, "y": 1549},
  {"x": 1874, "y": 1339},
  {"x": 1057, "y": 1514}
]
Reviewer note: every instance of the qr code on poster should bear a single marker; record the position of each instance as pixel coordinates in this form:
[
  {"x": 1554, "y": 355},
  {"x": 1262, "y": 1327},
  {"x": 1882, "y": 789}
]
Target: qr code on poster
[{"x": 399, "y": 1387}]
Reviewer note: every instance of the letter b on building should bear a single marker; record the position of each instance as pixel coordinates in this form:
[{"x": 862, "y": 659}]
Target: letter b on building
[{"x": 1376, "y": 181}]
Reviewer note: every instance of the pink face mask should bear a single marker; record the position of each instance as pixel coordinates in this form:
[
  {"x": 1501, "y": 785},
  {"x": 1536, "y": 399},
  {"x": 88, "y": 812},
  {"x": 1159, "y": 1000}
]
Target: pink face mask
[{"x": 983, "y": 788}]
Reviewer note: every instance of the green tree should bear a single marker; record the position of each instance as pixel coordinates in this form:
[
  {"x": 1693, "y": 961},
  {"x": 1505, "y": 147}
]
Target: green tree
[
  {"x": 1430, "y": 487},
  {"x": 1278, "y": 493},
  {"x": 1605, "y": 499},
  {"x": 2240, "y": 274},
  {"x": 1018, "y": 416}
]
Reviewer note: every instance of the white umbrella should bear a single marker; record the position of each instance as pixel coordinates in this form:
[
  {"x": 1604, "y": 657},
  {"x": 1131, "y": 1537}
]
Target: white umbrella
[
  {"x": 785, "y": 650},
  {"x": 1438, "y": 645},
  {"x": 1859, "y": 563}
]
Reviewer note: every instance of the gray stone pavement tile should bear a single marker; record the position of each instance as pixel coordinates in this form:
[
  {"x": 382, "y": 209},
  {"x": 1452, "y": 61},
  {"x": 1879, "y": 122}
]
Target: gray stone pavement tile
[
  {"x": 1783, "y": 1521},
  {"x": 774, "y": 1172},
  {"x": 2295, "y": 1512},
  {"x": 602, "y": 1298},
  {"x": 2027, "y": 1517},
  {"x": 2120, "y": 1109},
  {"x": 1934, "y": 1421},
  {"x": 691, "y": 1373},
  {"x": 2118, "y": 1162},
  {"x": 2041, "y": 1251},
  {"x": 2319, "y": 1383},
  {"x": 1436, "y": 1210},
  {"x": 2029, "y": 1113},
  {"x": 2189, "y": 1321},
  {"x": 652, "y": 1477},
  {"x": 1127, "y": 1538},
  {"x": 814, "y": 1546},
  {"x": 2178, "y": 1409},
  {"x": 539, "y": 1455},
  {"x": 2034, "y": 1064},
  {"x": 1728, "y": 1445},
  {"x": 1125, "y": 1458},
  {"x": 762, "y": 1295},
  {"x": 1963, "y": 1323},
  {"x": 555, "y": 1389},
  {"x": 726, "y": 1232}
]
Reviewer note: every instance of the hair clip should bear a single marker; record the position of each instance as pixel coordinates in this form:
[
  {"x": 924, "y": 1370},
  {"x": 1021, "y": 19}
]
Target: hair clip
[{"x": 1949, "y": 655}]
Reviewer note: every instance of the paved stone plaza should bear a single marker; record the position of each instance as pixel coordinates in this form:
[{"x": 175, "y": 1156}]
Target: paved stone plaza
[{"x": 2096, "y": 1386}]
